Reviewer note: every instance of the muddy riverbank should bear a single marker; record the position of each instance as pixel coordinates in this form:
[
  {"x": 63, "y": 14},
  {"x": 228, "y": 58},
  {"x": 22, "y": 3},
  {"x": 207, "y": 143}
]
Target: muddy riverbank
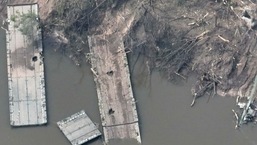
[
  {"x": 164, "y": 108},
  {"x": 217, "y": 42}
]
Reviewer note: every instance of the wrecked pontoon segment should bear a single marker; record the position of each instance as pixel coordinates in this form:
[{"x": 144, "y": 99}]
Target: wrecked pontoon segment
[
  {"x": 115, "y": 97},
  {"x": 248, "y": 107},
  {"x": 79, "y": 128},
  {"x": 26, "y": 82}
]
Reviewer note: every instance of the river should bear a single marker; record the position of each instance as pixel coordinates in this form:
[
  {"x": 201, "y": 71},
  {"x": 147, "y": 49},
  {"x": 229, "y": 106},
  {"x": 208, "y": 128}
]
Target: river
[{"x": 166, "y": 117}]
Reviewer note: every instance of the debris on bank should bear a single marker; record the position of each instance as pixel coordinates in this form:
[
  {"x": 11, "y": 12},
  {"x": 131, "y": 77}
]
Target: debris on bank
[
  {"x": 247, "y": 106},
  {"x": 176, "y": 37}
]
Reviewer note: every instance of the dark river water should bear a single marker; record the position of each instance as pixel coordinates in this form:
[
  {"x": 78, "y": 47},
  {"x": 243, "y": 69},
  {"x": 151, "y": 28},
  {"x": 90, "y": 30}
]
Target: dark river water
[{"x": 166, "y": 117}]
